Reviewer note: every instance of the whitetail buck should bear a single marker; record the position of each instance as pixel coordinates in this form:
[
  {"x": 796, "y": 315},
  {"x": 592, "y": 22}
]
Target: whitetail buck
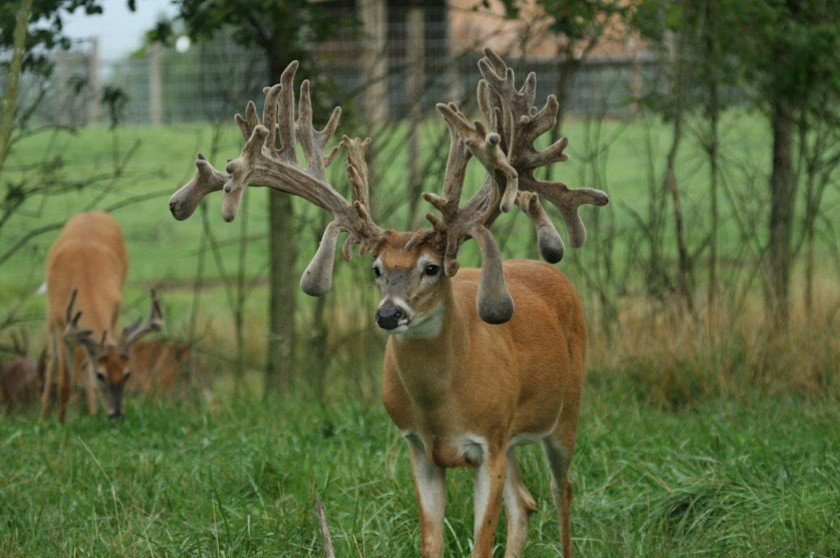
[
  {"x": 85, "y": 272},
  {"x": 466, "y": 378}
]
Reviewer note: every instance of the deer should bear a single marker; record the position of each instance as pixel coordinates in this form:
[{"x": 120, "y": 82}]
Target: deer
[
  {"x": 19, "y": 379},
  {"x": 478, "y": 361},
  {"x": 164, "y": 366},
  {"x": 86, "y": 269}
]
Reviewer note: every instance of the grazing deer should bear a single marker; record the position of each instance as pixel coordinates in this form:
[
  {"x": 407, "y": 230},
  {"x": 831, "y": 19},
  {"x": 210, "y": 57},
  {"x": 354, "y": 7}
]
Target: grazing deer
[
  {"x": 162, "y": 366},
  {"x": 85, "y": 272},
  {"x": 19, "y": 379},
  {"x": 466, "y": 379}
]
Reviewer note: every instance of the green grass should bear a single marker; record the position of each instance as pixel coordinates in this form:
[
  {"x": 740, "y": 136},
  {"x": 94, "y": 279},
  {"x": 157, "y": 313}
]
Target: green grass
[{"x": 239, "y": 480}]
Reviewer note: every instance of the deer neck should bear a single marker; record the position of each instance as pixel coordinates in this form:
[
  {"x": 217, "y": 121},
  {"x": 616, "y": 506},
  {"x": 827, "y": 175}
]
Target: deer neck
[{"x": 429, "y": 366}]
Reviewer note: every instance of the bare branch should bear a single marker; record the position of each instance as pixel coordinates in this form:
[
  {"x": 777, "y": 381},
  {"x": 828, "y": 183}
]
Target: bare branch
[{"x": 329, "y": 550}]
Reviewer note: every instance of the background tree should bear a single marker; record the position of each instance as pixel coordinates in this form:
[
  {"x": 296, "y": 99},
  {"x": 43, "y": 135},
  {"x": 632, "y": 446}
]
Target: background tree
[
  {"x": 791, "y": 56},
  {"x": 284, "y": 30},
  {"x": 786, "y": 56}
]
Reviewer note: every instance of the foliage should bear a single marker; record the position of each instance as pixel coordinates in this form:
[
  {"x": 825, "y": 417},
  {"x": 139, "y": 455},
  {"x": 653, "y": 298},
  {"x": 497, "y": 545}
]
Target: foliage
[
  {"x": 576, "y": 21},
  {"x": 46, "y": 25},
  {"x": 293, "y": 25},
  {"x": 779, "y": 49},
  {"x": 792, "y": 50}
]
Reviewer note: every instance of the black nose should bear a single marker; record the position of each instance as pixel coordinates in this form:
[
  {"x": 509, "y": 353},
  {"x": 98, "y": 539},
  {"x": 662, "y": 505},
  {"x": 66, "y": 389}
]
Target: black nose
[{"x": 388, "y": 317}]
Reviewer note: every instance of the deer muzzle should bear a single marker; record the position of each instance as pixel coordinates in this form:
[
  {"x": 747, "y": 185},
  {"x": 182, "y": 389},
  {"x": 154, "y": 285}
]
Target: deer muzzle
[{"x": 388, "y": 317}]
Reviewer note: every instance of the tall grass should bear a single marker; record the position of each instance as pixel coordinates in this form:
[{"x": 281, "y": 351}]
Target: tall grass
[{"x": 671, "y": 359}]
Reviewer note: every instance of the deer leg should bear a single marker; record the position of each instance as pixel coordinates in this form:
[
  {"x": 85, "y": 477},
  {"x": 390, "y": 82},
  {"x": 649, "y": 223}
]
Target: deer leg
[
  {"x": 430, "y": 488},
  {"x": 63, "y": 379},
  {"x": 489, "y": 487},
  {"x": 49, "y": 374},
  {"x": 558, "y": 448},
  {"x": 519, "y": 505},
  {"x": 88, "y": 368}
]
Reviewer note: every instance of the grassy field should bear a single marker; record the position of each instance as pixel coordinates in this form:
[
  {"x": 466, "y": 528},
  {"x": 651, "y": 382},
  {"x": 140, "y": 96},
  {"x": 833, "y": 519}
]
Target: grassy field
[
  {"x": 167, "y": 253},
  {"x": 687, "y": 447},
  {"x": 760, "y": 479}
]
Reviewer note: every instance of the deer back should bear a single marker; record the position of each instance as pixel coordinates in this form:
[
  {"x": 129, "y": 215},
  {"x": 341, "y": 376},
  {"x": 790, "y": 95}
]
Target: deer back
[{"x": 89, "y": 255}]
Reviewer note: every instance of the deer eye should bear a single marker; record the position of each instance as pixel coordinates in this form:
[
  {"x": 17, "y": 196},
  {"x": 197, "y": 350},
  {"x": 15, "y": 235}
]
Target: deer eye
[
  {"x": 376, "y": 272},
  {"x": 100, "y": 375},
  {"x": 431, "y": 269}
]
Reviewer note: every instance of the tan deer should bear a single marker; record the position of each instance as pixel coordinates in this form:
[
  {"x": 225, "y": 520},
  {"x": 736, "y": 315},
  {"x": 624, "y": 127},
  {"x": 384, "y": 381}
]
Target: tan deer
[
  {"x": 85, "y": 272},
  {"x": 466, "y": 379}
]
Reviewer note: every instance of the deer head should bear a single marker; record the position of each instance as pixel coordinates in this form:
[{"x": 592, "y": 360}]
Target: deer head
[
  {"x": 108, "y": 361},
  {"x": 411, "y": 268}
]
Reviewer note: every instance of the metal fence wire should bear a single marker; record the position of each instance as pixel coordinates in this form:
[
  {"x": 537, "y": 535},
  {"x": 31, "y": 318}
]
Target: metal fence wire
[{"x": 212, "y": 80}]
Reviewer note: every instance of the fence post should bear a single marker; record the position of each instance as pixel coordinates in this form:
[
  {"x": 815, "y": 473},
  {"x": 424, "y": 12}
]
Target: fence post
[
  {"x": 453, "y": 71},
  {"x": 155, "y": 86},
  {"x": 93, "y": 82},
  {"x": 374, "y": 59}
]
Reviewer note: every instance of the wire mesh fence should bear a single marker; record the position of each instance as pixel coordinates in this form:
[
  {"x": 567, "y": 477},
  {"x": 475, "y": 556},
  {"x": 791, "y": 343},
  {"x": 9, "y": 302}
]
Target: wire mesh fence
[{"x": 423, "y": 61}]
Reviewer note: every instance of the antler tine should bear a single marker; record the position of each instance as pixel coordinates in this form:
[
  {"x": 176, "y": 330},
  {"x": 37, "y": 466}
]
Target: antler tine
[
  {"x": 207, "y": 179},
  {"x": 153, "y": 323},
  {"x": 250, "y": 121},
  {"x": 369, "y": 232},
  {"x": 270, "y": 110},
  {"x": 72, "y": 331},
  {"x": 286, "y": 113}
]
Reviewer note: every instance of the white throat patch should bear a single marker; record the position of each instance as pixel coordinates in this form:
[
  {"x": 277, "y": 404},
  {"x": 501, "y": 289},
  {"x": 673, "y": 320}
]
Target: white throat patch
[{"x": 427, "y": 326}]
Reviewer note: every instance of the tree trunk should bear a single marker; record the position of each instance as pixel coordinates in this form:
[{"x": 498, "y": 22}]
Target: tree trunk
[
  {"x": 712, "y": 114},
  {"x": 415, "y": 45},
  {"x": 282, "y": 254},
  {"x": 566, "y": 68},
  {"x": 374, "y": 17},
  {"x": 280, "y": 365},
  {"x": 782, "y": 200},
  {"x": 683, "y": 261}
]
